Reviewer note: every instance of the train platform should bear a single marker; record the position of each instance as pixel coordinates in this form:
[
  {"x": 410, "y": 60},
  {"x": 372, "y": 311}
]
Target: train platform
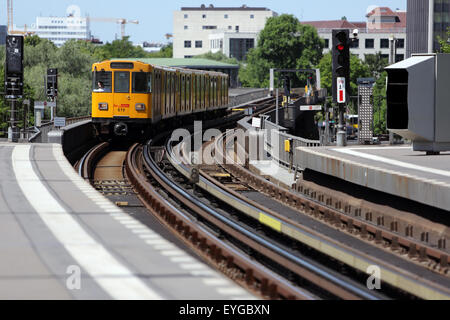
[
  {"x": 61, "y": 239},
  {"x": 396, "y": 170},
  {"x": 276, "y": 173}
]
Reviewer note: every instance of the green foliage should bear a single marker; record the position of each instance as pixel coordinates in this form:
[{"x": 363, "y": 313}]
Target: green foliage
[
  {"x": 218, "y": 56},
  {"x": 165, "y": 52},
  {"x": 74, "y": 61},
  {"x": 122, "y": 48},
  {"x": 283, "y": 43},
  {"x": 3, "y": 107},
  {"x": 74, "y": 58},
  {"x": 376, "y": 64},
  {"x": 445, "y": 44},
  {"x": 380, "y": 105},
  {"x": 358, "y": 69}
]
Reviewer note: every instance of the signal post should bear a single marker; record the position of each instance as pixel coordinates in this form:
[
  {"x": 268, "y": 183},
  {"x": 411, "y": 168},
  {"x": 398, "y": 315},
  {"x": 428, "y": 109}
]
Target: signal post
[
  {"x": 14, "y": 79},
  {"x": 341, "y": 79}
]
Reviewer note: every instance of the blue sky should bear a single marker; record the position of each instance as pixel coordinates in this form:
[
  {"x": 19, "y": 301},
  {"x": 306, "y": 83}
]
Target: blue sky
[{"x": 156, "y": 20}]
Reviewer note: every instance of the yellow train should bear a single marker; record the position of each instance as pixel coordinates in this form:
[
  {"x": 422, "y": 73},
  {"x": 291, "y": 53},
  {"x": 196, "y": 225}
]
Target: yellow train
[{"x": 135, "y": 96}]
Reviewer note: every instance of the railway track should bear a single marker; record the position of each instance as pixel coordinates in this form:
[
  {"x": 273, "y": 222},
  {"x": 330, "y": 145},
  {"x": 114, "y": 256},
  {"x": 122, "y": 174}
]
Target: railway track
[
  {"x": 326, "y": 215},
  {"x": 323, "y": 204},
  {"x": 231, "y": 233},
  {"x": 232, "y": 240}
]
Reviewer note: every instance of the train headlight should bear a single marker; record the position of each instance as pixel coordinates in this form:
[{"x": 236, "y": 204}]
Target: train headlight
[
  {"x": 140, "y": 107},
  {"x": 103, "y": 106}
]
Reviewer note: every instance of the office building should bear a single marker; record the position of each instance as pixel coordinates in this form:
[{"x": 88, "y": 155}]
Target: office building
[
  {"x": 418, "y": 27},
  {"x": 230, "y": 30},
  {"x": 61, "y": 29}
]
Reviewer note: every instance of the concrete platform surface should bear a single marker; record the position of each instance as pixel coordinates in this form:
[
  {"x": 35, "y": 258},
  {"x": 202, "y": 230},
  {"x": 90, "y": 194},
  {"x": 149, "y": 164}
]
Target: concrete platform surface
[
  {"x": 276, "y": 173},
  {"x": 399, "y": 171},
  {"x": 61, "y": 239}
]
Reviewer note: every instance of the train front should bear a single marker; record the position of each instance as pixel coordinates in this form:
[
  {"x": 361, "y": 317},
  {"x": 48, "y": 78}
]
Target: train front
[{"x": 121, "y": 97}]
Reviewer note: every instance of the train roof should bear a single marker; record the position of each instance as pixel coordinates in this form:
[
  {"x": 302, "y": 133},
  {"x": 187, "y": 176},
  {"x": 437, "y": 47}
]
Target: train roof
[
  {"x": 193, "y": 66},
  {"x": 186, "y": 63}
]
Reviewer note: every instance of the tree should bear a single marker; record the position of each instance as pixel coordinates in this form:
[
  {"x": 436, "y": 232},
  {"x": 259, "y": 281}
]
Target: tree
[
  {"x": 376, "y": 64},
  {"x": 358, "y": 69},
  {"x": 283, "y": 43},
  {"x": 218, "y": 56},
  {"x": 3, "y": 107},
  {"x": 122, "y": 48},
  {"x": 165, "y": 52},
  {"x": 445, "y": 44},
  {"x": 380, "y": 105},
  {"x": 74, "y": 58}
]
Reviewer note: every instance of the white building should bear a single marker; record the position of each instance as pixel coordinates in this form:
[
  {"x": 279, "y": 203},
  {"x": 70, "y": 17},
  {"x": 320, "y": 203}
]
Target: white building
[
  {"x": 61, "y": 29},
  {"x": 232, "y": 31},
  {"x": 382, "y": 24}
]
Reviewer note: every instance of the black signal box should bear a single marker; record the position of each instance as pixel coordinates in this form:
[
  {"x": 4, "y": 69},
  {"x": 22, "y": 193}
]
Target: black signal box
[
  {"x": 52, "y": 83},
  {"x": 14, "y": 67},
  {"x": 341, "y": 59}
]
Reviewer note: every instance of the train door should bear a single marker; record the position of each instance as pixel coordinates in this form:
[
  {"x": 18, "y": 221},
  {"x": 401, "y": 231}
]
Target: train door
[
  {"x": 202, "y": 92},
  {"x": 225, "y": 94},
  {"x": 188, "y": 94},
  {"x": 172, "y": 93},
  {"x": 182, "y": 94},
  {"x": 178, "y": 91},
  {"x": 207, "y": 92},
  {"x": 122, "y": 96},
  {"x": 219, "y": 91},
  {"x": 214, "y": 91},
  {"x": 194, "y": 93},
  {"x": 141, "y": 89}
]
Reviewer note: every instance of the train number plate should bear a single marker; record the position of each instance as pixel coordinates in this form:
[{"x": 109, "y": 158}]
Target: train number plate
[{"x": 123, "y": 108}]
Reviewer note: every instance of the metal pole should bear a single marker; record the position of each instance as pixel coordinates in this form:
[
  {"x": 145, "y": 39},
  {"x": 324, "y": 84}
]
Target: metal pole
[
  {"x": 391, "y": 49},
  {"x": 391, "y": 61},
  {"x": 341, "y": 135},
  {"x": 14, "y": 137},
  {"x": 327, "y": 124},
  {"x": 276, "y": 108},
  {"x": 430, "y": 26}
]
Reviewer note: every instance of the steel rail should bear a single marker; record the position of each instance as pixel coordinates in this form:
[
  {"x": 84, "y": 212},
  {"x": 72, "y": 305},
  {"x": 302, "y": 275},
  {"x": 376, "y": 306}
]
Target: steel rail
[
  {"x": 300, "y": 266},
  {"x": 270, "y": 284},
  {"x": 315, "y": 209}
]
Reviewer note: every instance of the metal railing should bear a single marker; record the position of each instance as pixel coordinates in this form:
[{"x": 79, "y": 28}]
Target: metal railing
[
  {"x": 274, "y": 143},
  {"x": 41, "y": 133}
]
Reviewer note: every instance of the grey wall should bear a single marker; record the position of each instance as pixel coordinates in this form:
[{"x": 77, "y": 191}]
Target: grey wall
[{"x": 417, "y": 27}]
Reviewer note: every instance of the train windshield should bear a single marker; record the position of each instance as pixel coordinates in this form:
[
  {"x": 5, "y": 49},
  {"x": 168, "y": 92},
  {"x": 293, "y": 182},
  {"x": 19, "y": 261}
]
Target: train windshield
[
  {"x": 102, "y": 81},
  {"x": 142, "y": 82},
  {"x": 122, "y": 81}
]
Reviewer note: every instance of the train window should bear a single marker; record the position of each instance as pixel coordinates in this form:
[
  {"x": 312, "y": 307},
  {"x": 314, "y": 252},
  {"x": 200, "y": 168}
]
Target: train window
[
  {"x": 142, "y": 82},
  {"x": 122, "y": 65},
  {"x": 102, "y": 81},
  {"x": 122, "y": 82}
]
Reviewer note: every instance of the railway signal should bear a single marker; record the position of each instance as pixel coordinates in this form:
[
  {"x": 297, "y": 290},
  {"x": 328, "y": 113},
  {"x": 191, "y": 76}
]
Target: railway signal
[
  {"x": 341, "y": 77},
  {"x": 14, "y": 79},
  {"x": 14, "y": 67},
  {"x": 341, "y": 65},
  {"x": 52, "y": 83}
]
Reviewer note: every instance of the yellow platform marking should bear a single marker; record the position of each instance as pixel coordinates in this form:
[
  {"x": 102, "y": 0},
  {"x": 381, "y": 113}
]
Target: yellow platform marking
[{"x": 269, "y": 221}]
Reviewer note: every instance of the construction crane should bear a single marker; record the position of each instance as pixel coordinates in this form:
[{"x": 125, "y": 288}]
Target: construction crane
[
  {"x": 10, "y": 12},
  {"x": 120, "y": 21}
]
